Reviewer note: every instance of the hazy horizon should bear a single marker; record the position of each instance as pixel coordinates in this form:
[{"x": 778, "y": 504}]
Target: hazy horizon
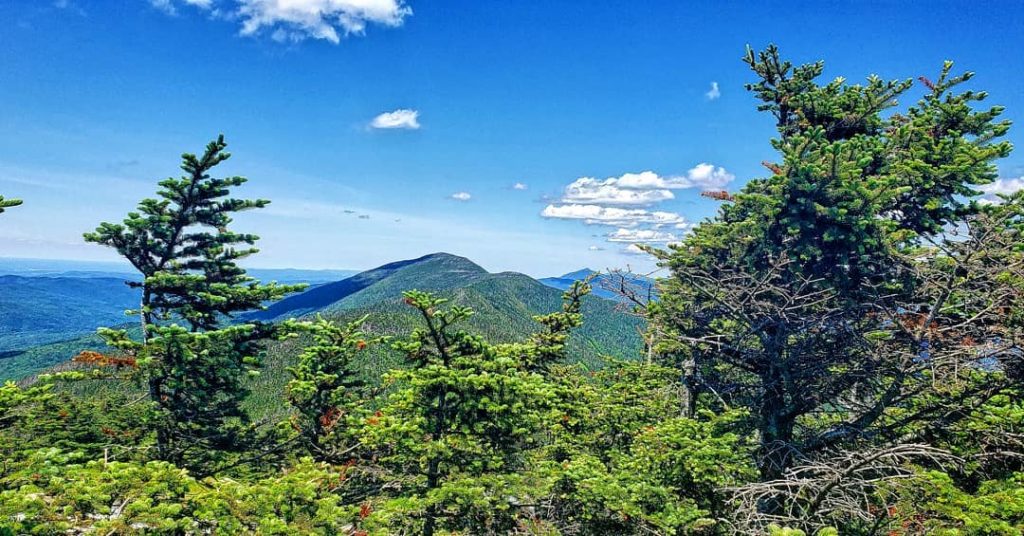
[{"x": 9, "y": 265}]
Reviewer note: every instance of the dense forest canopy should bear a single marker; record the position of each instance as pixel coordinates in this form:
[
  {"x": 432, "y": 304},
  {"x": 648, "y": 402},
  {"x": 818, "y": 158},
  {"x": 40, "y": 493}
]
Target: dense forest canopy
[{"x": 836, "y": 352}]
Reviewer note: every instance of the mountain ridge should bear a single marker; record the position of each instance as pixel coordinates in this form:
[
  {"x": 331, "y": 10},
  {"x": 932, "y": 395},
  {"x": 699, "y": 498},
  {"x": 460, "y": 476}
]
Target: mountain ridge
[{"x": 505, "y": 303}]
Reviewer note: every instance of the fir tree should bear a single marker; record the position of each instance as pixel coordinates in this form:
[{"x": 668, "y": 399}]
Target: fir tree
[
  {"x": 462, "y": 416},
  {"x": 325, "y": 389},
  {"x": 858, "y": 280},
  {"x": 181, "y": 245}
]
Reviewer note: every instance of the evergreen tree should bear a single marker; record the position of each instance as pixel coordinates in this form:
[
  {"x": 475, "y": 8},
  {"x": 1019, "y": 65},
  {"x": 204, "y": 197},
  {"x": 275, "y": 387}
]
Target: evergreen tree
[
  {"x": 181, "y": 245},
  {"x": 325, "y": 389},
  {"x": 839, "y": 296},
  {"x": 456, "y": 429}
]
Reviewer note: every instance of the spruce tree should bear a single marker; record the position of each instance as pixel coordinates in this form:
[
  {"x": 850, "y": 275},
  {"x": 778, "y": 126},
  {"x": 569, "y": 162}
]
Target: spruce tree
[
  {"x": 326, "y": 390},
  {"x": 453, "y": 435},
  {"x": 192, "y": 357},
  {"x": 822, "y": 295}
]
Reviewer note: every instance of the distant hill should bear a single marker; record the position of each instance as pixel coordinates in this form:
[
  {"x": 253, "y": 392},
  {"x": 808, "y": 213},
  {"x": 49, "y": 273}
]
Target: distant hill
[
  {"x": 20, "y": 364},
  {"x": 504, "y": 303},
  {"x": 604, "y": 285},
  {"x": 40, "y": 310},
  {"x": 439, "y": 271},
  {"x": 49, "y": 309}
]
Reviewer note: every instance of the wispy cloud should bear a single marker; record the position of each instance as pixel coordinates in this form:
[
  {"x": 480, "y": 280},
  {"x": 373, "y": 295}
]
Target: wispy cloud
[
  {"x": 69, "y": 5},
  {"x": 714, "y": 92},
  {"x": 296, "y": 20},
  {"x": 519, "y": 186},
  {"x": 401, "y": 118},
  {"x": 461, "y": 196},
  {"x": 170, "y": 6}
]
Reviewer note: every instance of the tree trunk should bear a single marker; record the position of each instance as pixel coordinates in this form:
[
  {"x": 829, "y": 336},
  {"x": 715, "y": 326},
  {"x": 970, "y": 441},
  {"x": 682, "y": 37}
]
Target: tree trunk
[
  {"x": 688, "y": 394},
  {"x": 775, "y": 427}
]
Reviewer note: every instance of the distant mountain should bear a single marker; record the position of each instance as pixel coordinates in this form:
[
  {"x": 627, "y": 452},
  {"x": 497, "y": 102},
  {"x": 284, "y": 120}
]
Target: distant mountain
[
  {"x": 40, "y": 310},
  {"x": 438, "y": 271},
  {"x": 603, "y": 284},
  {"x": 504, "y": 303},
  {"x": 47, "y": 307}
]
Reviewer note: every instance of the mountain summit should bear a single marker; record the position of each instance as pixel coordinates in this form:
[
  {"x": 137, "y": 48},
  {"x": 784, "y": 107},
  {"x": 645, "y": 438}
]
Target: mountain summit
[
  {"x": 505, "y": 303},
  {"x": 437, "y": 271}
]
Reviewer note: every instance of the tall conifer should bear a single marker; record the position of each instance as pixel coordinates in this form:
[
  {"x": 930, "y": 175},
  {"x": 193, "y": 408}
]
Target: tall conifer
[{"x": 193, "y": 358}]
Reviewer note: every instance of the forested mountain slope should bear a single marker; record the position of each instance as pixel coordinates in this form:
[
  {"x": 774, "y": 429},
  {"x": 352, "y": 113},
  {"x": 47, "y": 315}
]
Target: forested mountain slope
[
  {"x": 40, "y": 310},
  {"x": 504, "y": 305}
]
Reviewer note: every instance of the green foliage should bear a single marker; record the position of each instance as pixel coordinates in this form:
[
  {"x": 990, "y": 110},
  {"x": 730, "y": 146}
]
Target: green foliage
[
  {"x": 455, "y": 427},
  {"x": 933, "y": 503},
  {"x": 58, "y": 492},
  {"x": 13, "y": 397},
  {"x": 8, "y": 203},
  {"x": 181, "y": 245},
  {"x": 325, "y": 389},
  {"x": 807, "y": 299},
  {"x": 551, "y": 344},
  {"x": 623, "y": 462},
  {"x": 92, "y": 427}
]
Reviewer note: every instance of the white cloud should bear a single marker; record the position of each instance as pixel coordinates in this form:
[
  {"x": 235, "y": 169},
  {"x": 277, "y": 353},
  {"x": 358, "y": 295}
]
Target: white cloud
[
  {"x": 401, "y": 118},
  {"x": 609, "y": 192},
  {"x": 642, "y": 236},
  {"x": 296, "y": 20},
  {"x": 519, "y": 186},
  {"x": 634, "y": 249},
  {"x": 595, "y": 248},
  {"x": 616, "y": 202},
  {"x": 713, "y": 93},
  {"x": 167, "y": 6},
  {"x": 707, "y": 177},
  {"x": 619, "y": 217},
  {"x": 170, "y": 7},
  {"x": 992, "y": 190},
  {"x": 644, "y": 188},
  {"x": 461, "y": 196}
]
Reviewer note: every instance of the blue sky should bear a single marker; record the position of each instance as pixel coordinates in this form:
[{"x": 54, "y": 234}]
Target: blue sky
[{"x": 98, "y": 99}]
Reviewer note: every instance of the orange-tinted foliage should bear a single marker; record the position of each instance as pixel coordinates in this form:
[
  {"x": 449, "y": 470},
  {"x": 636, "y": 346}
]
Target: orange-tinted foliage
[
  {"x": 718, "y": 195},
  {"x": 90, "y": 357}
]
